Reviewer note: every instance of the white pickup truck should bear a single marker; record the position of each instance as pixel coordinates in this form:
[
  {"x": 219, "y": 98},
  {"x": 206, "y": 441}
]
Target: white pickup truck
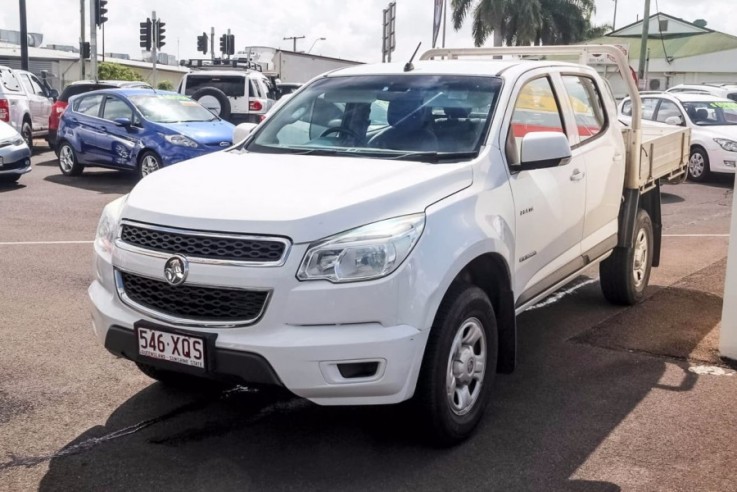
[{"x": 373, "y": 240}]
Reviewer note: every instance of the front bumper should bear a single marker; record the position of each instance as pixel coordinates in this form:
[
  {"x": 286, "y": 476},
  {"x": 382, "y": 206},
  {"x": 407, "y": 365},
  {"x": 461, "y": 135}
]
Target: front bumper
[
  {"x": 16, "y": 160},
  {"x": 722, "y": 161},
  {"x": 306, "y": 332}
]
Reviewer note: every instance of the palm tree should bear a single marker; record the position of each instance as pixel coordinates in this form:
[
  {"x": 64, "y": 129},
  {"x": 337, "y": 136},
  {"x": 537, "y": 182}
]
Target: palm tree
[{"x": 524, "y": 22}]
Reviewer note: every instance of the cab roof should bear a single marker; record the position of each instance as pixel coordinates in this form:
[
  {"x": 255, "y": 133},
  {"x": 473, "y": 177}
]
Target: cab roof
[{"x": 487, "y": 68}]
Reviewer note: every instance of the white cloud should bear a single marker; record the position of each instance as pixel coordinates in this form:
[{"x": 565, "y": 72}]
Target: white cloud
[{"x": 352, "y": 28}]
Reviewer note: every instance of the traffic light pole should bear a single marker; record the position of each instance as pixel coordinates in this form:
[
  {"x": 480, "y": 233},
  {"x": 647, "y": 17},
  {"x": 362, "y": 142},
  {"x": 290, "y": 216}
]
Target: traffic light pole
[
  {"x": 154, "y": 49},
  {"x": 212, "y": 43},
  {"x": 227, "y": 44},
  {"x": 93, "y": 42},
  {"x": 81, "y": 40}
]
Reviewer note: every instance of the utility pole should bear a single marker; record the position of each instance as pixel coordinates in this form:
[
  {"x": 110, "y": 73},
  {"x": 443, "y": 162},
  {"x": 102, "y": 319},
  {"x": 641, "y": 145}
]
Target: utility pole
[
  {"x": 93, "y": 42},
  {"x": 614, "y": 21},
  {"x": 212, "y": 43},
  {"x": 23, "y": 35},
  {"x": 81, "y": 40},
  {"x": 294, "y": 40},
  {"x": 445, "y": 18},
  {"x": 643, "y": 44},
  {"x": 154, "y": 49}
]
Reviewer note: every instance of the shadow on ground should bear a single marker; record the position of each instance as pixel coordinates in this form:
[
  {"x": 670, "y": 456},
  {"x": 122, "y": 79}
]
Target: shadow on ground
[
  {"x": 544, "y": 422},
  {"x": 101, "y": 181}
]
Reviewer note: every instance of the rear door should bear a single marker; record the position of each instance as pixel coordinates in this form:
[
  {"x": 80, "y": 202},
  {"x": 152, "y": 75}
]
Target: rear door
[
  {"x": 549, "y": 203},
  {"x": 39, "y": 101},
  {"x": 116, "y": 143}
]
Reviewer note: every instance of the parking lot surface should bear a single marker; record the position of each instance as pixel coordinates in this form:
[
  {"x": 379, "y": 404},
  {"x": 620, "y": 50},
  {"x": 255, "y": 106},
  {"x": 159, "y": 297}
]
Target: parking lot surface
[{"x": 605, "y": 398}]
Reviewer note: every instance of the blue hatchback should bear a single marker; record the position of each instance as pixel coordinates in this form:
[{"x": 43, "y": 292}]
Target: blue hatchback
[{"x": 139, "y": 130}]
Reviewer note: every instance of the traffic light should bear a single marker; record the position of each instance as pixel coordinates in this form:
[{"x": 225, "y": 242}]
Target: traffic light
[
  {"x": 146, "y": 35},
  {"x": 160, "y": 33},
  {"x": 224, "y": 44},
  {"x": 86, "y": 50},
  {"x": 100, "y": 12},
  {"x": 231, "y": 44},
  {"x": 202, "y": 43}
]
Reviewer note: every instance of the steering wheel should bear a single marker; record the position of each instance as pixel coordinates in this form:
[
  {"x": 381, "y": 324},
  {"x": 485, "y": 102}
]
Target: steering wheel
[{"x": 340, "y": 129}]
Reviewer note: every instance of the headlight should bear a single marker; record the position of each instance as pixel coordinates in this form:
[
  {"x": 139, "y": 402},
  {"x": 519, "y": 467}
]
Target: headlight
[
  {"x": 18, "y": 141},
  {"x": 181, "y": 140},
  {"x": 108, "y": 225},
  {"x": 728, "y": 145},
  {"x": 366, "y": 253}
]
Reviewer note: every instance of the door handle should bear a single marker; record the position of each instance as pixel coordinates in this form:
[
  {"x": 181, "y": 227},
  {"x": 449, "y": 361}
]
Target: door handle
[{"x": 577, "y": 175}]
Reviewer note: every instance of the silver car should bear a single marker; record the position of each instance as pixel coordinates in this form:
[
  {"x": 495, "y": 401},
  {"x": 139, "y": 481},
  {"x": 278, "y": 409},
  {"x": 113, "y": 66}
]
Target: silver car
[
  {"x": 25, "y": 103},
  {"x": 15, "y": 156}
]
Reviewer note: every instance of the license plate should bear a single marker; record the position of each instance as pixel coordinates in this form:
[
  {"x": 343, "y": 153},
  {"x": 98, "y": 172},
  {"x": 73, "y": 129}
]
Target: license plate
[{"x": 172, "y": 347}]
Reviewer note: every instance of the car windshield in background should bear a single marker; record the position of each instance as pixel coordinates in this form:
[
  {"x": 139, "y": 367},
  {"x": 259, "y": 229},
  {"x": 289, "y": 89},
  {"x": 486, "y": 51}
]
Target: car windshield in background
[
  {"x": 425, "y": 117},
  {"x": 171, "y": 109},
  {"x": 712, "y": 113}
]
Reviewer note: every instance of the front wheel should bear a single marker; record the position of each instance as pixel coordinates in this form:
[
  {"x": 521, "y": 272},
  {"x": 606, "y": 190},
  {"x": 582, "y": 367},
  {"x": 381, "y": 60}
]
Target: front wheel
[
  {"x": 27, "y": 133},
  {"x": 698, "y": 165},
  {"x": 458, "y": 367},
  {"x": 148, "y": 164},
  {"x": 626, "y": 273}
]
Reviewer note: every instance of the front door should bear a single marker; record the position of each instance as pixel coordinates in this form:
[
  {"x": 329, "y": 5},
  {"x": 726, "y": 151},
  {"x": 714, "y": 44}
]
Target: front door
[
  {"x": 549, "y": 203},
  {"x": 38, "y": 101},
  {"x": 117, "y": 142}
]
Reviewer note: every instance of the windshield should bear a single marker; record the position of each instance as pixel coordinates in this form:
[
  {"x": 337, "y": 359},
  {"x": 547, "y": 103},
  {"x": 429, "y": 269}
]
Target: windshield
[
  {"x": 386, "y": 116},
  {"x": 171, "y": 109},
  {"x": 712, "y": 113}
]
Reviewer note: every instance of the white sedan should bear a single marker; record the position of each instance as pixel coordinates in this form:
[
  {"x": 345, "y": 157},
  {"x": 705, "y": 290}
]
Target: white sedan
[{"x": 713, "y": 124}]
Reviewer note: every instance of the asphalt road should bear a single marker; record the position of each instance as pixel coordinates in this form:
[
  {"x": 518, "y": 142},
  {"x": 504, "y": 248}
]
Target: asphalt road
[{"x": 588, "y": 409}]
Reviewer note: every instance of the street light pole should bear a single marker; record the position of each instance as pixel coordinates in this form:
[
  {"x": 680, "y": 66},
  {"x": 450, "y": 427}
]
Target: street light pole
[
  {"x": 614, "y": 22},
  {"x": 313, "y": 44},
  {"x": 23, "y": 35},
  {"x": 643, "y": 43}
]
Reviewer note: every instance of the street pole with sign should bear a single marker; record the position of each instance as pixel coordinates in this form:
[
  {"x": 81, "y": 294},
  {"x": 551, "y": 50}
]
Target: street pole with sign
[{"x": 728, "y": 332}]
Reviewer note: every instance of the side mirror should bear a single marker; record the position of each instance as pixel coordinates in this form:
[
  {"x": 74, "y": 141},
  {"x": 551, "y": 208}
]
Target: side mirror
[
  {"x": 674, "y": 120},
  {"x": 125, "y": 122},
  {"x": 242, "y": 131},
  {"x": 53, "y": 94},
  {"x": 542, "y": 150}
]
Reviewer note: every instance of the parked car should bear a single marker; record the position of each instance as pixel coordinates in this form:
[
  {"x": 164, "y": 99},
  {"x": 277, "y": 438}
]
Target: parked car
[
  {"x": 25, "y": 103},
  {"x": 723, "y": 90},
  {"x": 80, "y": 87},
  {"x": 234, "y": 95},
  {"x": 284, "y": 88},
  {"x": 137, "y": 130},
  {"x": 713, "y": 124},
  {"x": 373, "y": 240},
  {"x": 15, "y": 156}
]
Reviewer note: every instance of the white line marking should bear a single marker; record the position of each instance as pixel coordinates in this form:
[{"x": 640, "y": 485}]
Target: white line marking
[
  {"x": 560, "y": 295},
  {"x": 711, "y": 371},
  {"x": 40, "y": 243},
  {"x": 695, "y": 235}
]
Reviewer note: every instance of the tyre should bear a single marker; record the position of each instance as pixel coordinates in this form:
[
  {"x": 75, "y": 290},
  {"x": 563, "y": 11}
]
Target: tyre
[
  {"x": 458, "y": 367},
  {"x": 626, "y": 273},
  {"x": 9, "y": 178},
  {"x": 27, "y": 133},
  {"x": 215, "y": 100},
  {"x": 179, "y": 380},
  {"x": 698, "y": 165},
  {"x": 68, "y": 162},
  {"x": 148, "y": 163}
]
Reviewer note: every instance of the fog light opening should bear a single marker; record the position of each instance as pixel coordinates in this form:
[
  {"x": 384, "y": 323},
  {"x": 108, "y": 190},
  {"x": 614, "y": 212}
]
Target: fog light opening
[{"x": 354, "y": 370}]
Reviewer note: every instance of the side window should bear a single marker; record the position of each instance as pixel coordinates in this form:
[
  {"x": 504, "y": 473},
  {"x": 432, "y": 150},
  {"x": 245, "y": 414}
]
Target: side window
[
  {"x": 26, "y": 83},
  {"x": 252, "y": 91},
  {"x": 116, "y": 108},
  {"x": 10, "y": 81},
  {"x": 37, "y": 86},
  {"x": 648, "y": 108},
  {"x": 588, "y": 108},
  {"x": 536, "y": 110},
  {"x": 668, "y": 109},
  {"x": 89, "y": 105}
]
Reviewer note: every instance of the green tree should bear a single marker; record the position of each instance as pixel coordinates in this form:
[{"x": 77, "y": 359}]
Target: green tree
[
  {"x": 116, "y": 71},
  {"x": 524, "y": 22},
  {"x": 165, "y": 85}
]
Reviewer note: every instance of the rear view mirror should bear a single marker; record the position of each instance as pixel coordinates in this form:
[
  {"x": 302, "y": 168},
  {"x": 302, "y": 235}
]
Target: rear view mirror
[
  {"x": 674, "y": 120},
  {"x": 242, "y": 131},
  {"x": 542, "y": 150}
]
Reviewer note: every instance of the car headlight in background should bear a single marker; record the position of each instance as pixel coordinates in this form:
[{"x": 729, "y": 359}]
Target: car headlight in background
[
  {"x": 181, "y": 140},
  {"x": 18, "y": 141},
  {"x": 108, "y": 225},
  {"x": 726, "y": 144},
  {"x": 368, "y": 252}
]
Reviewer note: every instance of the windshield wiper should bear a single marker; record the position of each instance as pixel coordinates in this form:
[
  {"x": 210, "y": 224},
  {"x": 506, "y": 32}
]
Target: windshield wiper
[{"x": 434, "y": 156}]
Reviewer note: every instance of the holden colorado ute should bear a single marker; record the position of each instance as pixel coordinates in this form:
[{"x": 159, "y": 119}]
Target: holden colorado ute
[{"x": 372, "y": 241}]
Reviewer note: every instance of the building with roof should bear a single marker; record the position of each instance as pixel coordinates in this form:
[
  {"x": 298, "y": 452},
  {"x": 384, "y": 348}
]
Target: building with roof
[{"x": 680, "y": 52}]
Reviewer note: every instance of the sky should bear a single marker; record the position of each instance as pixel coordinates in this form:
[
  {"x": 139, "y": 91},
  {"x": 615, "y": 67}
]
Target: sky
[{"x": 352, "y": 28}]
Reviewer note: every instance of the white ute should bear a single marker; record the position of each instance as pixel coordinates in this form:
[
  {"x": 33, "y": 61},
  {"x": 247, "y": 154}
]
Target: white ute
[{"x": 373, "y": 240}]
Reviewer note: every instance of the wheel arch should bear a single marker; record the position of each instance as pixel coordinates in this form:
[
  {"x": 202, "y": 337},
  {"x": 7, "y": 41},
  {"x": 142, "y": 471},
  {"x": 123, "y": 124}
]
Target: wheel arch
[{"x": 490, "y": 273}]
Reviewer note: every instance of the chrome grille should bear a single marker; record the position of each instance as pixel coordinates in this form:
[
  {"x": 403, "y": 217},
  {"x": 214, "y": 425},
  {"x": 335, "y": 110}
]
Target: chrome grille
[
  {"x": 190, "y": 303},
  {"x": 195, "y": 244}
]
